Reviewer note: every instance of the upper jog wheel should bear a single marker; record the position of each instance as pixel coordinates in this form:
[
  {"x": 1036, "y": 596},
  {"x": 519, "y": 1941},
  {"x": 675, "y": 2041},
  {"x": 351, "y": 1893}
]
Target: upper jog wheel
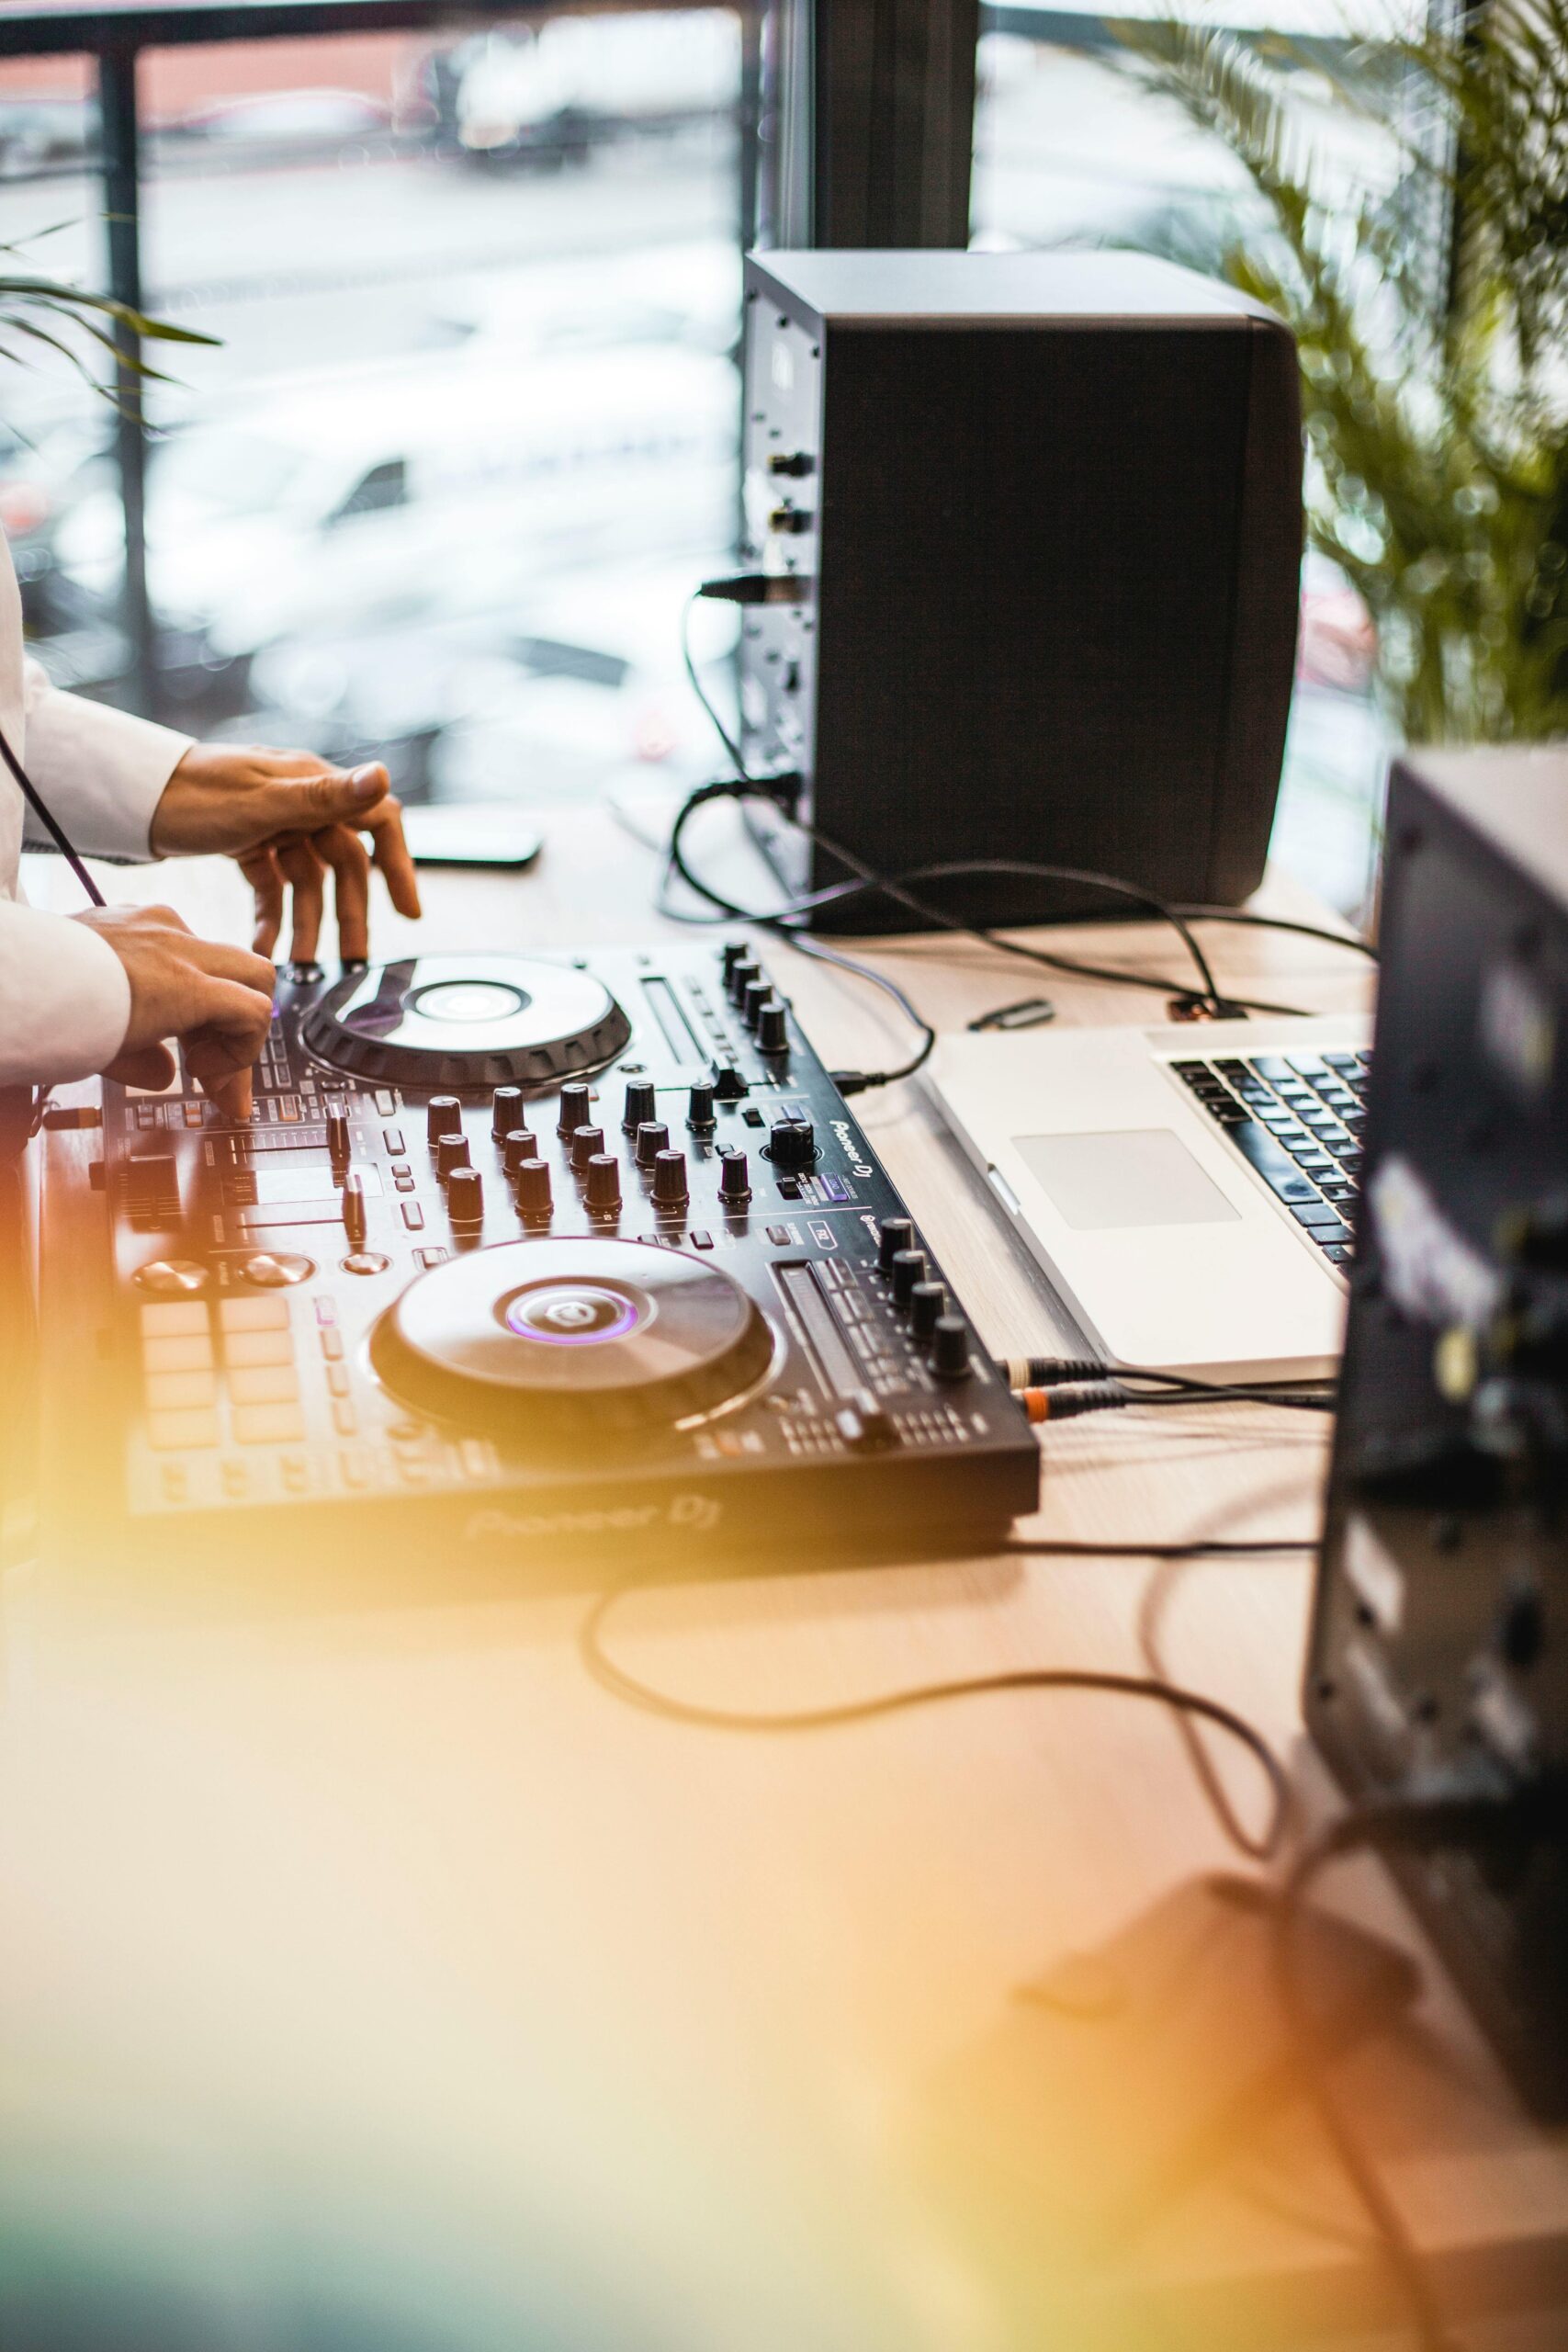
[
  {"x": 434, "y": 1022},
  {"x": 572, "y": 1336}
]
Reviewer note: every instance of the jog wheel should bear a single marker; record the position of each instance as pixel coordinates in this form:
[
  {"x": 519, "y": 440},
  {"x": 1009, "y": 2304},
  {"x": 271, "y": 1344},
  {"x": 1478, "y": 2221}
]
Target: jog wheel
[
  {"x": 571, "y": 1339},
  {"x": 436, "y": 1022}
]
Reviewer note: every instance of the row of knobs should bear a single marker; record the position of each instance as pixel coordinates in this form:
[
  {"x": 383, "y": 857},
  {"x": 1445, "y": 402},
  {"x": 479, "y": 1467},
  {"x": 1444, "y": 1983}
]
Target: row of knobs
[
  {"x": 753, "y": 996},
  {"x": 600, "y": 1169},
  {"x": 945, "y": 1336}
]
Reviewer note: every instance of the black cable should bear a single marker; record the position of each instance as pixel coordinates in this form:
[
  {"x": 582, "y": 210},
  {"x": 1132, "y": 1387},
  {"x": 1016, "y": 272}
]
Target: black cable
[
  {"x": 1351, "y": 939},
  {"x": 1259, "y": 1846},
  {"x": 626, "y": 1687},
  {"x": 45, "y": 816},
  {"x": 1024, "y": 1373}
]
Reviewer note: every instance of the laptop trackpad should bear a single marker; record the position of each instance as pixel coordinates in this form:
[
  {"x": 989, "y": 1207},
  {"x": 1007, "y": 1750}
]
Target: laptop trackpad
[{"x": 1135, "y": 1176}]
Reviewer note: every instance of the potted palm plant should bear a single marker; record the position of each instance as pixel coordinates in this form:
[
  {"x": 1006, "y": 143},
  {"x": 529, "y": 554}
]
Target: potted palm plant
[{"x": 1434, "y": 371}]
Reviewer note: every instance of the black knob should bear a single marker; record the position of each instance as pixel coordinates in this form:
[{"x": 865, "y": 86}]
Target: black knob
[
  {"x": 733, "y": 951},
  {"x": 789, "y": 519},
  {"x": 742, "y": 975},
  {"x": 641, "y": 1103},
  {"x": 755, "y": 996},
  {"x": 699, "y": 1108},
  {"x": 895, "y": 1233},
  {"x": 338, "y": 1137},
  {"x": 927, "y": 1302},
  {"x": 355, "y": 1219},
  {"x": 793, "y": 1143},
  {"x": 520, "y": 1145},
  {"x": 603, "y": 1193},
  {"x": 466, "y": 1196},
  {"x": 773, "y": 1028},
  {"x": 576, "y": 1108},
  {"x": 729, "y": 1085},
  {"x": 949, "y": 1348},
  {"x": 652, "y": 1138},
  {"x": 444, "y": 1117},
  {"x": 534, "y": 1191},
  {"x": 790, "y": 462},
  {"x": 909, "y": 1267},
  {"x": 451, "y": 1151},
  {"x": 734, "y": 1178},
  {"x": 506, "y": 1111},
  {"x": 670, "y": 1180},
  {"x": 585, "y": 1142}
]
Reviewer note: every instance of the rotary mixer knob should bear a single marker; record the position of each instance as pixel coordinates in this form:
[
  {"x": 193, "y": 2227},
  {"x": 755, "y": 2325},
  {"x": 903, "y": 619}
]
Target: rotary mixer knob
[
  {"x": 534, "y": 1201},
  {"x": 773, "y": 1028},
  {"x": 642, "y": 1103},
  {"x": 451, "y": 1151},
  {"x": 699, "y": 1108},
  {"x": 734, "y": 1179},
  {"x": 652, "y": 1138},
  {"x": 576, "y": 1107},
  {"x": 909, "y": 1267},
  {"x": 466, "y": 1196},
  {"x": 506, "y": 1111},
  {"x": 670, "y": 1190},
  {"x": 585, "y": 1142},
  {"x": 444, "y": 1116},
  {"x": 602, "y": 1192},
  {"x": 520, "y": 1145},
  {"x": 792, "y": 1143}
]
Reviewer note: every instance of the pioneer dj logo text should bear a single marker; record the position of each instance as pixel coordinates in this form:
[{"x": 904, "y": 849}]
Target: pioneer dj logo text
[
  {"x": 853, "y": 1152},
  {"x": 692, "y": 1514}
]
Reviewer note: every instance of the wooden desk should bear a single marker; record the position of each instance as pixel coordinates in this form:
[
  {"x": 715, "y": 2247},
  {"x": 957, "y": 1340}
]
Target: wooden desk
[{"x": 497, "y": 1993}]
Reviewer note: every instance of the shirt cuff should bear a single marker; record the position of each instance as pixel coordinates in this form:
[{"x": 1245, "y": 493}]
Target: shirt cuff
[
  {"x": 102, "y": 771},
  {"x": 65, "y": 999}
]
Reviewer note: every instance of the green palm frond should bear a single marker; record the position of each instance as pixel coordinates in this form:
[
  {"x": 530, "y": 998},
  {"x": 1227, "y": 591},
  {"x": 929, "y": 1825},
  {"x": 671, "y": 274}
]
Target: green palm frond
[
  {"x": 24, "y": 292},
  {"x": 1435, "y": 409}
]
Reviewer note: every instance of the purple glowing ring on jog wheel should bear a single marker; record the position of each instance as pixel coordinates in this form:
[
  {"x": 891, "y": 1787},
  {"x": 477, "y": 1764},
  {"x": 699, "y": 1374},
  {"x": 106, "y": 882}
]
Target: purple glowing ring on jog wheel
[{"x": 572, "y": 1315}]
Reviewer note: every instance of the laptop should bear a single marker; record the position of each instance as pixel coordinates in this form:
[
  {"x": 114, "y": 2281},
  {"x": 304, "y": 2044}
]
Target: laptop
[{"x": 1191, "y": 1191}]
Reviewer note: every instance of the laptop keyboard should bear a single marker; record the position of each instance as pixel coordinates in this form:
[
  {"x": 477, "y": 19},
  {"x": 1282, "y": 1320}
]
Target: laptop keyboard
[{"x": 1297, "y": 1119}]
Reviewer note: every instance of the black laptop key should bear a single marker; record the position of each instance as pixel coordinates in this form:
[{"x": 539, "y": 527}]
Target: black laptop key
[
  {"x": 1322, "y": 1220},
  {"x": 1274, "y": 1164}
]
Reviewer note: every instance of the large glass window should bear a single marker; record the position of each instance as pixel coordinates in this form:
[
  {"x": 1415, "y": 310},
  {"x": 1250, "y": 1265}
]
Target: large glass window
[
  {"x": 1071, "y": 148},
  {"x": 468, "y": 435}
]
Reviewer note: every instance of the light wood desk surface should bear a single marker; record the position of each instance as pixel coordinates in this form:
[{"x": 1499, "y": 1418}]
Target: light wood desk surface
[{"x": 403, "y": 1904}]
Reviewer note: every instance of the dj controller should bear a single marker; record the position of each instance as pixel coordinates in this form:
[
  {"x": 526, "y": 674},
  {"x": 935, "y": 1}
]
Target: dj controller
[{"x": 537, "y": 1262}]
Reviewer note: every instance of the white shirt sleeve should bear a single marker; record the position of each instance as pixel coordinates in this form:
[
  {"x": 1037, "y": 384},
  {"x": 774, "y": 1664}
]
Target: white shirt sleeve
[
  {"x": 101, "y": 771},
  {"x": 64, "y": 997}
]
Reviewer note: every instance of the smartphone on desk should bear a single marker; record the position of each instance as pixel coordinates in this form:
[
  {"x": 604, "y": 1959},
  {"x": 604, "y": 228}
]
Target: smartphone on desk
[
  {"x": 471, "y": 832},
  {"x": 1124, "y": 2076}
]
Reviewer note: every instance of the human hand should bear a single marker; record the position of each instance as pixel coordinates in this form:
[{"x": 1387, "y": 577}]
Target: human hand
[
  {"x": 286, "y": 816},
  {"x": 215, "y": 1000}
]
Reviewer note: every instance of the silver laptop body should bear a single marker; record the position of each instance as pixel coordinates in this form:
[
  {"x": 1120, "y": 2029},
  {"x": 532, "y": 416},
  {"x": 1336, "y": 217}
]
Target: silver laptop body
[{"x": 1189, "y": 1190}]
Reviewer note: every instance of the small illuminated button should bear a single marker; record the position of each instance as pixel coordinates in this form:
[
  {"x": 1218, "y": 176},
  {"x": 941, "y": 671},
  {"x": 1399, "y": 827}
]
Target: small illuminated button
[
  {"x": 277, "y": 1269},
  {"x": 587, "y": 1143},
  {"x": 518, "y": 1145},
  {"x": 171, "y": 1277},
  {"x": 444, "y": 1117}
]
